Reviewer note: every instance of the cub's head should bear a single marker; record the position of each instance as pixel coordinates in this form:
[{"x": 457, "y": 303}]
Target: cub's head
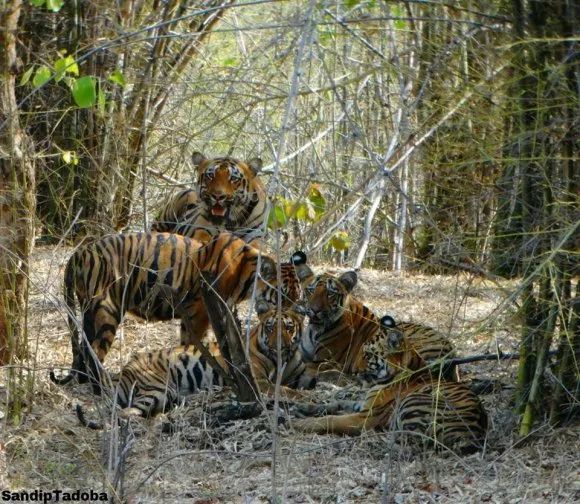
[
  {"x": 294, "y": 275},
  {"x": 226, "y": 186},
  {"x": 327, "y": 297},
  {"x": 383, "y": 354},
  {"x": 291, "y": 324}
]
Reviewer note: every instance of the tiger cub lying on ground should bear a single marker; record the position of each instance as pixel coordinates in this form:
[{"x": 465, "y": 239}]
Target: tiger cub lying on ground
[
  {"x": 157, "y": 276},
  {"x": 152, "y": 382},
  {"x": 405, "y": 346},
  {"x": 447, "y": 414}
]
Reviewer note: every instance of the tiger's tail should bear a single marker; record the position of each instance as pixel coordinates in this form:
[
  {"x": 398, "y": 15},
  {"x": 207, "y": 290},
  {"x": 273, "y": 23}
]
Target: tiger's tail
[
  {"x": 78, "y": 366},
  {"x": 90, "y": 424}
]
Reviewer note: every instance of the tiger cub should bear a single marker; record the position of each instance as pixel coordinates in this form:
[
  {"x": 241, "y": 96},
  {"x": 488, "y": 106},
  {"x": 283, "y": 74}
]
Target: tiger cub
[
  {"x": 157, "y": 276},
  {"x": 229, "y": 196},
  {"x": 339, "y": 324},
  {"x": 264, "y": 350},
  {"x": 152, "y": 382},
  {"x": 405, "y": 346},
  {"x": 448, "y": 414}
]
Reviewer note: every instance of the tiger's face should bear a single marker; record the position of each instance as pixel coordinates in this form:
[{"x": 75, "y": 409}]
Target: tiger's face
[
  {"x": 290, "y": 324},
  {"x": 225, "y": 186},
  {"x": 327, "y": 297},
  {"x": 385, "y": 355}
]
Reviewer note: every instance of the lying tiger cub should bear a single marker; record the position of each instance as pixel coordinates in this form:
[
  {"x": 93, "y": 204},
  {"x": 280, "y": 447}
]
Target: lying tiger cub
[
  {"x": 155, "y": 381},
  {"x": 444, "y": 413},
  {"x": 405, "y": 346}
]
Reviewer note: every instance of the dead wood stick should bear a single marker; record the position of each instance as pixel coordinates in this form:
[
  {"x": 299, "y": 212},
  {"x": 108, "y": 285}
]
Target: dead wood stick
[{"x": 227, "y": 332}]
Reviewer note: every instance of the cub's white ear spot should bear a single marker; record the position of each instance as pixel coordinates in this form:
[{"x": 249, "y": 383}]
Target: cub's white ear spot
[
  {"x": 349, "y": 279},
  {"x": 298, "y": 258},
  {"x": 255, "y": 165},
  {"x": 197, "y": 158},
  {"x": 388, "y": 321}
]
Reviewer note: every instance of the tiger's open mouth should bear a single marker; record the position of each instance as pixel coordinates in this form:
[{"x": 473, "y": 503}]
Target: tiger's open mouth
[{"x": 218, "y": 210}]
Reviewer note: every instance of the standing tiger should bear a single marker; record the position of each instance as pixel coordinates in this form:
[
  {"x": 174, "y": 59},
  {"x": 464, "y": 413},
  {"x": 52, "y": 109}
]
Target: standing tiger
[
  {"x": 157, "y": 277},
  {"x": 405, "y": 346},
  {"x": 339, "y": 324},
  {"x": 155, "y": 381},
  {"x": 448, "y": 414},
  {"x": 229, "y": 196}
]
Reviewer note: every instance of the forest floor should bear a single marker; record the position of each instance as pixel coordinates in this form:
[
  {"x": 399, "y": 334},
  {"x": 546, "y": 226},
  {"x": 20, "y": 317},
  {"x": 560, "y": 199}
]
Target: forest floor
[{"x": 201, "y": 463}]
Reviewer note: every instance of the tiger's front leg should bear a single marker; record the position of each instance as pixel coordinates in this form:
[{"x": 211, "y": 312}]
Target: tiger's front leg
[
  {"x": 194, "y": 323},
  {"x": 100, "y": 324}
]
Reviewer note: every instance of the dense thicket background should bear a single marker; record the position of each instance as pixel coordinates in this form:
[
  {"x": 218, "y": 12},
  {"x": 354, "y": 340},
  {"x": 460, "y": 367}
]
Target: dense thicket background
[{"x": 431, "y": 135}]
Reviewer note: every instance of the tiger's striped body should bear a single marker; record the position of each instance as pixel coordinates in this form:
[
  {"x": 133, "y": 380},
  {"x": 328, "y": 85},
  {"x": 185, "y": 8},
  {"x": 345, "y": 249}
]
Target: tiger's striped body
[
  {"x": 152, "y": 382},
  {"x": 339, "y": 325},
  {"x": 446, "y": 413},
  {"x": 158, "y": 276},
  {"x": 405, "y": 346},
  {"x": 264, "y": 350},
  {"x": 229, "y": 196}
]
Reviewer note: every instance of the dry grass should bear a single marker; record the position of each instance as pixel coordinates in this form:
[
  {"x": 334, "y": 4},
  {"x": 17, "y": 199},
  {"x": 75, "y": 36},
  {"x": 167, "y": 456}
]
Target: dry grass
[{"x": 232, "y": 463}]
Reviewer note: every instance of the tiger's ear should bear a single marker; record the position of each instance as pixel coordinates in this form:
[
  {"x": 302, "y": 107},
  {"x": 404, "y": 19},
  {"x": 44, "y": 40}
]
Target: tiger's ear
[
  {"x": 298, "y": 258},
  {"x": 255, "y": 164},
  {"x": 268, "y": 268},
  {"x": 388, "y": 322},
  {"x": 262, "y": 306},
  {"x": 349, "y": 280},
  {"x": 197, "y": 158}
]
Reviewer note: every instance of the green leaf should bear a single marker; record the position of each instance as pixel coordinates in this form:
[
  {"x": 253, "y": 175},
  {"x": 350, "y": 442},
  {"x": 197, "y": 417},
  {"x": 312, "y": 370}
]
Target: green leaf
[
  {"x": 398, "y": 11},
  {"x": 277, "y": 217},
  {"x": 65, "y": 65},
  {"x": 317, "y": 199},
  {"x": 101, "y": 101},
  {"x": 41, "y": 76},
  {"x": 230, "y": 61},
  {"x": 70, "y": 157},
  {"x": 350, "y": 4},
  {"x": 37, "y": 3},
  {"x": 26, "y": 76},
  {"x": 54, "y": 5},
  {"x": 339, "y": 241},
  {"x": 84, "y": 92},
  {"x": 117, "y": 78}
]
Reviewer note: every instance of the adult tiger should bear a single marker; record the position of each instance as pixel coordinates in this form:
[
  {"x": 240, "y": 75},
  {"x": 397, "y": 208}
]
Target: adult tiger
[
  {"x": 448, "y": 414},
  {"x": 405, "y": 346},
  {"x": 157, "y": 277},
  {"x": 339, "y": 324},
  {"x": 229, "y": 196},
  {"x": 155, "y": 381}
]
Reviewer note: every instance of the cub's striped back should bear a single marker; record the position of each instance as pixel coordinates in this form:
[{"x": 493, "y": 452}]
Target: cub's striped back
[{"x": 446, "y": 414}]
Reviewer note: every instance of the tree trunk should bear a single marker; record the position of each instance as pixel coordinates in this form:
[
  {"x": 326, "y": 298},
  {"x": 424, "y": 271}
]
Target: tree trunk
[{"x": 17, "y": 203}]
